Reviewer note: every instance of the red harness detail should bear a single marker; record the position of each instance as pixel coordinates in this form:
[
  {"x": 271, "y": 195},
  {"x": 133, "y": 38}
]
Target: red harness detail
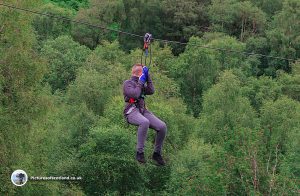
[{"x": 131, "y": 100}]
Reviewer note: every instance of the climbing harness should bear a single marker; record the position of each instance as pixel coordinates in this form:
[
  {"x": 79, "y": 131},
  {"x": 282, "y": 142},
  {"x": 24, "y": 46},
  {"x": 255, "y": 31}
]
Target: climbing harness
[
  {"x": 147, "y": 49},
  {"x": 132, "y": 100},
  {"x": 135, "y": 101}
]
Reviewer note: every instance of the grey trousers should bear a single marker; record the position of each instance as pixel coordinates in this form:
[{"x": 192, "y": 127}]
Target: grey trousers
[{"x": 145, "y": 121}]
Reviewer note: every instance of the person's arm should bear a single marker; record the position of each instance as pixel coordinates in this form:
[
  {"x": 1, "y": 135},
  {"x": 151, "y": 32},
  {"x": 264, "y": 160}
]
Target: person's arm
[
  {"x": 132, "y": 90},
  {"x": 149, "y": 89}
]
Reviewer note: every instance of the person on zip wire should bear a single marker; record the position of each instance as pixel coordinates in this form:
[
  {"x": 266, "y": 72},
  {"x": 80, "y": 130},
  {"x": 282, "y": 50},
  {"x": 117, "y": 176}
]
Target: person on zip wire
[{"x": 135, "y": 112}]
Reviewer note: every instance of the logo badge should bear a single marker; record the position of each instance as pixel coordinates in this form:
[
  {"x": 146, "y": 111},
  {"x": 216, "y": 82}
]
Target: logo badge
[{"x": 19, "y": 177}]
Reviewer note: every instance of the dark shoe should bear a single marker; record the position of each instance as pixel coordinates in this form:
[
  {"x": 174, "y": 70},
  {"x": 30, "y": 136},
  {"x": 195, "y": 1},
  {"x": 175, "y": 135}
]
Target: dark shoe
[
  {"x": 158, "y": 158},
  {"x": 140, "y": 157}
]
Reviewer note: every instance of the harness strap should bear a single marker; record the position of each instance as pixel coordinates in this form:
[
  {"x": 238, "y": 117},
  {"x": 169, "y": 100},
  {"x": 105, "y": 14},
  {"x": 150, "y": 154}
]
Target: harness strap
[{"x": 132, "y": 100}]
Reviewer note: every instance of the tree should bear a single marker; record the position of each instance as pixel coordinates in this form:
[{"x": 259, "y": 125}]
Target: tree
[
  {"x": 224, "y": 108},
  {"x": 290, "y": 82},
  {"x": 195, "y": 71},
  {"x": 99, "y": 79},
  {"x": 270, "y": 7},
  {"x": 21, "y": 70},
  {"x": 241, "y": 19},
  {"x": 229, "y": 56},
  {"x": 280, "y": 123},
  {"x": 184, "y": 18},
  {"x": 259, "y": 90},
  {"x": 141, "y": 17},
  {"x": 196, "y": 169},
  {"x": 74, "y": 4},
  {"x": 101, "y": 13},
  {"x": 259, "y": 45},
  {"x": 47, "y": 27},
  {"x": 284, "y": 37},
  {"x": 228, "y": 120},
  {"x": 106, "y": 163},
  {"x": 64, "y": 57}
]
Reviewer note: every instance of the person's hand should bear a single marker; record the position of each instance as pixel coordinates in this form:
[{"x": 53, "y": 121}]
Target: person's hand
[
  {"x": 143, "y": 78},
  {"x": 146, "y": 72}
]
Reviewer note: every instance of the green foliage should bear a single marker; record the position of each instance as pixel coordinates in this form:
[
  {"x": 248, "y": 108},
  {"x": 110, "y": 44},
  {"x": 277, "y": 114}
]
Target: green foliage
[
  {"x": 50, "y": 28},
  {"x": 239, "y": 18},
  {"x": 227, "y": 60},
  {"x": 259, "y": 45},
  {"x": 141, "y": 17},
  {"x": 157, "y": 178},
  {"x": 259, "y": 90},
  {"x": 21, "y": 71},
  {"x": 195, "y": 169},
  {"x": 225, "y": 110},
  {"x": 291, "y": 82},
  {"x": 283, "y": 39},
  {"x": 280, "y": 119},
  {"x": 161, "y": 56},
  {"x": 52, "y": 131},
  {"x": 78, "y": 125},
  {"x": 64, "y": 57},
  {"x": 167, "y": 96},
  {"x": 270, "y": 7},
  {"x": 280, "y": 122},
  {"x": 183, "y": 18},
  {"x": 114, "y": 111},
  {"x": 89, "y": 88},
  {"x": 195, "y": 71},
  {"x": 73, "y": 4},
  {"x": 61, "y": 102},
  {"x": 107, "y": 164},
  {"x": 109, "y": 52},
  {"x": 165, "y": 87},
  {"x": 101, "y": 13},
  {"x": 99, "y": 80}
]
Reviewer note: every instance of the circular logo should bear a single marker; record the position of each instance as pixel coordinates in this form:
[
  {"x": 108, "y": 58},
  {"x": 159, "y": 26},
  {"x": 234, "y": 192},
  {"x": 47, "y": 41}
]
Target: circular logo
[{"x": 19, "y": 177}]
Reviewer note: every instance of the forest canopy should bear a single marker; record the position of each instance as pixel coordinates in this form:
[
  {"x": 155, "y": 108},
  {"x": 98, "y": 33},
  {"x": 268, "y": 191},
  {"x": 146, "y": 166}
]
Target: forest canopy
[{"x": 233, "y": 117}]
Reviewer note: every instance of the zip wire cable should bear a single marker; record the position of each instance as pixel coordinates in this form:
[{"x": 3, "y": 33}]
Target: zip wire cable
[
  {"x": 140, "y": 36},
  {"x": 224, "y": 50}
]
